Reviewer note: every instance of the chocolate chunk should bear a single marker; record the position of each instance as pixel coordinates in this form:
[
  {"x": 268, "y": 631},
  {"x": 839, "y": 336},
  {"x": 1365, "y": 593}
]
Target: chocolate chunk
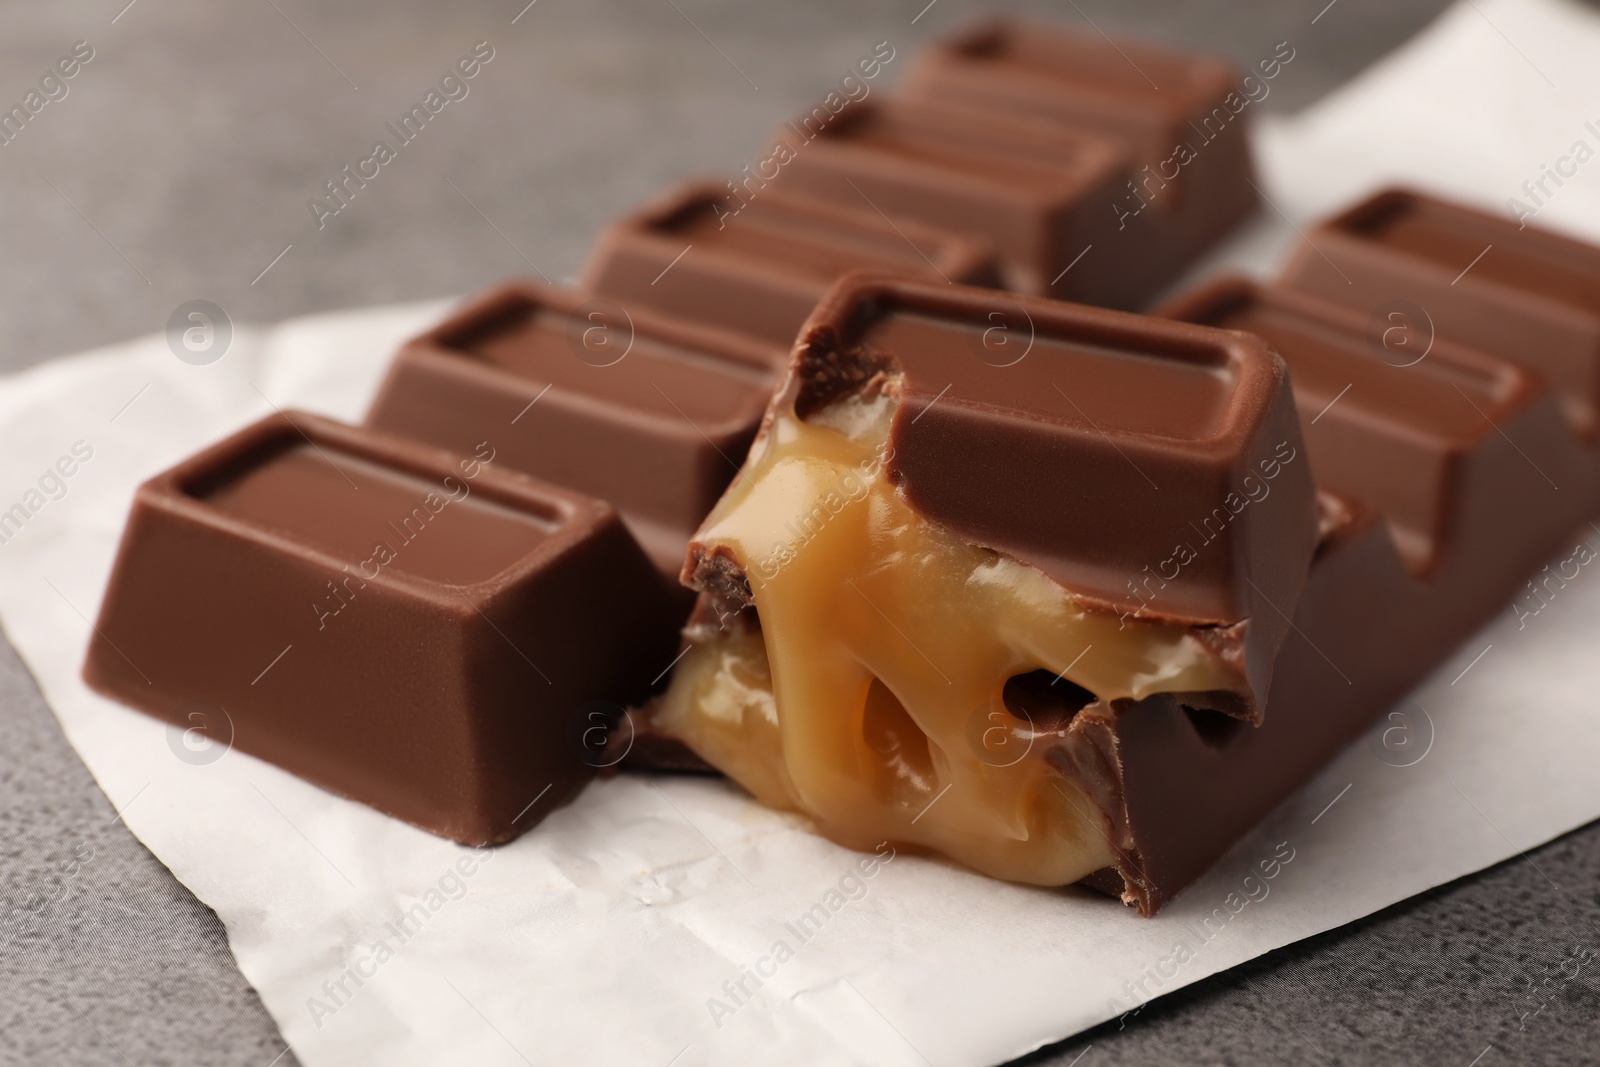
[
  {"x": 647, "y": 413},
  {"x": 1133, "y": 91},
  {"x": 411, "y": 629},
  {"x": 1182, "y": 117},
  {"x": 1039, "y": 193},
  {"x": 1423, "y": 267},
  {"x": 1148, "y": 467},
  {"x": 1400, "y": 428},
  {"x": 751, "y": 259}
]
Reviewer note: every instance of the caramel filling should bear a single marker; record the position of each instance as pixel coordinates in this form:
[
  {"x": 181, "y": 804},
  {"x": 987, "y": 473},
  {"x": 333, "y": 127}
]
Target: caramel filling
[{"x": 903, "y": 684}]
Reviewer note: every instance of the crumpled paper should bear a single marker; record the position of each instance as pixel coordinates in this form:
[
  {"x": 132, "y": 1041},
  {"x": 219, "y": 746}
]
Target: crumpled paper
[{"x": 674, "y": 921}]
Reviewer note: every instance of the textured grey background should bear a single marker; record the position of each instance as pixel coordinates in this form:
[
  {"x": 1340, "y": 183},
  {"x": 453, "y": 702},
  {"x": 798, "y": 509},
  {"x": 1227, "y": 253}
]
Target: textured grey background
[{"x": 178, "y": 167}]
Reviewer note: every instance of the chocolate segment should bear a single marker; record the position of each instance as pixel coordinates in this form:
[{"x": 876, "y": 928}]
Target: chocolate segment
[
  {"x": 413, "y": 630},
  {"x": 1129, "y": 90},
  {"x": 753, "y": 260},
  {"x": 1182, "y": 117},
  {"x": 1401, "y": 430},
  {"x": 1019, "y": 419},
  {"x": 1038, "y": 193},
  {"x": 1428, "y": 267},
  {"x": 646, "y": 413}
]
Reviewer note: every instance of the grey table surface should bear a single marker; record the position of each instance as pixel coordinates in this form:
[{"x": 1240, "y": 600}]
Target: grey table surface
[{"x": 178, "y": 166}]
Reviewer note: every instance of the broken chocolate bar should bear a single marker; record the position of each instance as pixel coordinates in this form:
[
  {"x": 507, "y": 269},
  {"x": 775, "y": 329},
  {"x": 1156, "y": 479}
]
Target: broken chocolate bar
[
  {"x": 967, "y": 516},
  {"x": 647, "y": 413},
  {"x": 1424, "y": 267},
  {"x": 751, "y": 259},
  {"x": 1183, "y": 117},
  {"x": 1447, "y": 474},
  {"x": 408, "y": 628}
]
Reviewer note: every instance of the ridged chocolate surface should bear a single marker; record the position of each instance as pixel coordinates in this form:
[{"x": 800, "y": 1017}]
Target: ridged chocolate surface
[
  {"x": 1438, "y": 269},
  {"x": 1404, "y": 436},
  {"x": 1151, "y": 98},
  {"x": 1181, "y": 121},
  {"x": 1037, "y": 192},
  {"x": 747, "y": 257}
]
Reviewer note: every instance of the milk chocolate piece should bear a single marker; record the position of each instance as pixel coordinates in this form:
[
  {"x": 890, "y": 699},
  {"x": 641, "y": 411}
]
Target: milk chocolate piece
[
  {"x": 647, "y": 413},
  {"x": 1039, "y": 193},
  {"x": 1414, "y": 262},
  {"x": 1125, "y": 457},
  {"x": 1183, "y": 117},
  {"x": 756, "y": 261},
  {"x": 1402, "y": 430},
  {"x": 413, "y": 630}
]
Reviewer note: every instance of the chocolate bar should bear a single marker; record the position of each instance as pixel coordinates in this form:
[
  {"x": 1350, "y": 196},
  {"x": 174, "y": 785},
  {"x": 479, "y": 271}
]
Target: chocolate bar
[
  {"x": 1445, "y": 475},
  {"x": 946, "y": 542},
  {"x": 645, "y": 412},
  {"x": 423, "y": 632},
  {"x": 751, "y": 259},
  {"x": 1423, "y": 267},
  {"x": 1183, "y": 118}
]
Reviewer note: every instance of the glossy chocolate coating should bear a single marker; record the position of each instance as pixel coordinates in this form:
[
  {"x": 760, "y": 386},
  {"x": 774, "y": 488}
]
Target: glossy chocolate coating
[
  {"x": 758, "y": 266},
  {"x": 1183, "y": 118},
  {"x": 647, "y": 413},
  {"x": 1038, "y": 193},
  {"x": 1524, "y": 294},
  {"x": 411, "y": 629},
  {"x": 1403, "y": 436},
  {"x": 1133, "y": 91}
]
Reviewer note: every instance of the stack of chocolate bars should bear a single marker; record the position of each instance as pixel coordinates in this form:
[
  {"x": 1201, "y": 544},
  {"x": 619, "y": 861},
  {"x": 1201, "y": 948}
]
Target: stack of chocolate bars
[{"x": 820, "y": 481}]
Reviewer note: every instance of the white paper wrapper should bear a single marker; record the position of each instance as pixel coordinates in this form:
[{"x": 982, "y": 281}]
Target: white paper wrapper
[{"x": 675, "y": 921}]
